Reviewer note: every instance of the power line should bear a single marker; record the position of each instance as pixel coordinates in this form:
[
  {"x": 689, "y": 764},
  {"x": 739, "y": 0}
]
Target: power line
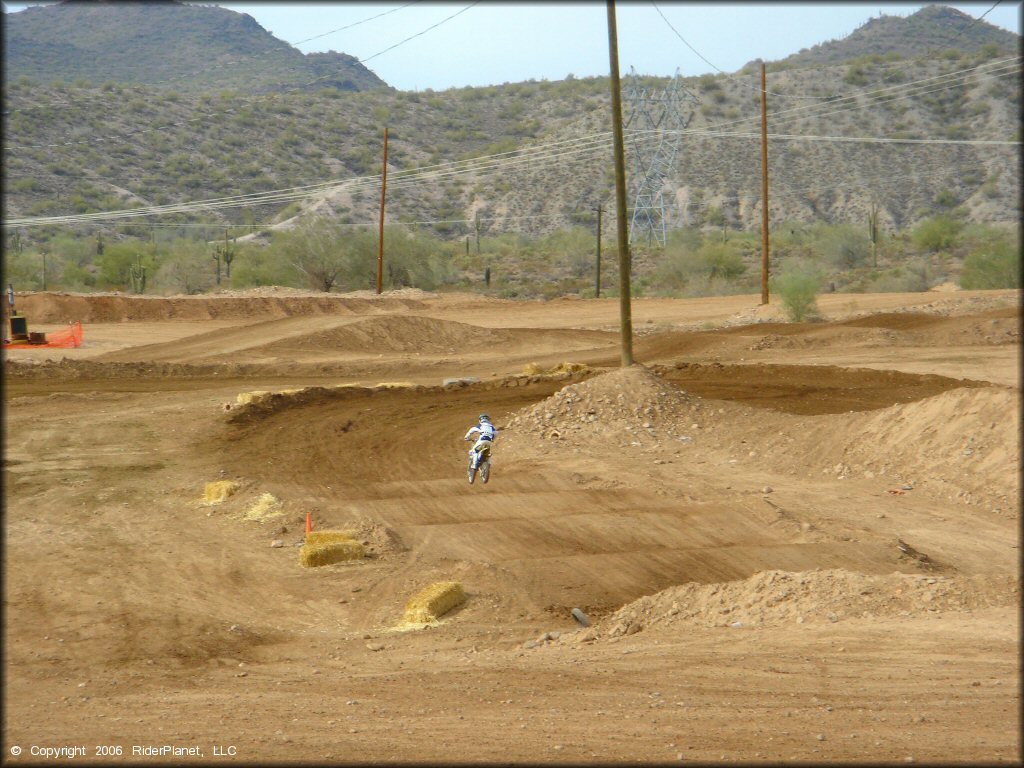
[
  {"x": 1003, "y": 65},
  {"x": 544, "y": 156},
  {"x": 412, "y": 37},
  {"x": 541, "y": 153},
  {"x": 730, "y": 77},
  {"x": 354, "y": 24}
]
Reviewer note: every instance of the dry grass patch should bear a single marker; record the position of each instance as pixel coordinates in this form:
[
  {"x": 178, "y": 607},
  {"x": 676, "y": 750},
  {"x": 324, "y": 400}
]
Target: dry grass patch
[
  {"x": 534, "y": 369},
  {"x": 266, "y": 507},
  {"x": 219, "y": 491}
]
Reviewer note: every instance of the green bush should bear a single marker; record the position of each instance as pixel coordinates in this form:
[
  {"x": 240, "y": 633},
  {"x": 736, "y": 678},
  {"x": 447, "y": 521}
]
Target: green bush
[
  {"x": 912, "y": 277},
  {"x": 798, "y": 285},
  {"x": 939, "y": 233},
  {"x": 996, "y": 267}
]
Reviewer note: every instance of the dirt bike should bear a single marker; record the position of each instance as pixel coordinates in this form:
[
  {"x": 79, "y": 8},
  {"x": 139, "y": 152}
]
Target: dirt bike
[{"x": 480, "y": 461}]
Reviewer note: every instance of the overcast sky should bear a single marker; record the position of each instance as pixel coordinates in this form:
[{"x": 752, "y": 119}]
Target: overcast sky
[{"x": 420, "y": 45}]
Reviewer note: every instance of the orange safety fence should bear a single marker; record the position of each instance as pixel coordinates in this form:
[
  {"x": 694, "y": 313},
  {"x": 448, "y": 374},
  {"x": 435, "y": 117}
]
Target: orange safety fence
[{"x": 63, "y": 339}]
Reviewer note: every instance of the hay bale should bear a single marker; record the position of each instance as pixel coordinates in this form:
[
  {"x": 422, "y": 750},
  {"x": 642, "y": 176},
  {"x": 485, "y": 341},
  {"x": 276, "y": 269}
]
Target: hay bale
[
  {"x": 569, "y": 368},
  {"x": 328, "y": 537},
  {"x": 429, "y": 604},
  {"x": 216, "y": 492},
  {"x": 534, "y": 369},
  {"x": 256, "y": 396},
  {"x": 265, "y": 508},
  {"x": 328, "y": 553}
]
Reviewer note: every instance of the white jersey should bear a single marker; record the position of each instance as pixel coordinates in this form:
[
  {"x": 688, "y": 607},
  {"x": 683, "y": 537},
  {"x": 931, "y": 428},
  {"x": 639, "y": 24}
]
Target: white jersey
[{"x": 484, "y": 431}]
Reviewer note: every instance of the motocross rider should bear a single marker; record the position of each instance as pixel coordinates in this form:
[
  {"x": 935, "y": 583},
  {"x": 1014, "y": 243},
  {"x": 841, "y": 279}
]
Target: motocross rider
[{"x": 485, "y": 432}]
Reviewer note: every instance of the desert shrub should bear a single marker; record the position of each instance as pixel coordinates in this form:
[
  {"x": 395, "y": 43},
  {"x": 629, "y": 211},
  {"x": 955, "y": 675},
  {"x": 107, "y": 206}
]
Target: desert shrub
[
  {"x": 23, "y": 269},
  {"x": 255, "y": 266},
  {"x": 721, "y": 260},
  {"x": 914, "y": 276},
  {"x": 843, "y": 245},
  {"x": 675, "y": 270},
  {"x": 414, "y": 258},
  {"x": 997, "y": 266},
  {"x": 329, "y": 254},
  {"x": 187, "y": 268},
  {"x": 797, "y": 285},
  {"x": 938, "y": 233},
  {"x": 116, "y": 262}
]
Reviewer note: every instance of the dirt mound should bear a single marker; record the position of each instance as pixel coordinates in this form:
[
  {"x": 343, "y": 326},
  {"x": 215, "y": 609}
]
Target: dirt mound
[
  {"x": 393, "y": 333},
  {"x": 771, "y": 598},
  {"x": 959, "y": 443},
  {"x": 112, "y": 308},
  {"x": 617, "y": 404}
]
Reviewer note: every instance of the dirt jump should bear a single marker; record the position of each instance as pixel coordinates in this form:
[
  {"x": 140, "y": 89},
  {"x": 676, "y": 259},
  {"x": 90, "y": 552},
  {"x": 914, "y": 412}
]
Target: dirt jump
[{"x": 239, "y": 529}]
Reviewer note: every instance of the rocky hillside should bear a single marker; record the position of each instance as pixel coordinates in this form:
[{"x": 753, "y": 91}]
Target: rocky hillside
[
  {"x": 933, "y": 28},
  {"x": 166, "y": 44},
  {"x": 848, "y": 133}
]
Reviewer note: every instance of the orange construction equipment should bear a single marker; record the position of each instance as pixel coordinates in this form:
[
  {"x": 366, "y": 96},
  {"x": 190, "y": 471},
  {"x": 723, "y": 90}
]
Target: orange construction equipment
[{"x": 64, "y": 339}]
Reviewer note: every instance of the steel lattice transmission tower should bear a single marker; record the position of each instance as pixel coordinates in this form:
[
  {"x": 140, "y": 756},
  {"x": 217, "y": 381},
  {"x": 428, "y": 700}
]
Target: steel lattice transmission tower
[{"x": 655, "y": 125}]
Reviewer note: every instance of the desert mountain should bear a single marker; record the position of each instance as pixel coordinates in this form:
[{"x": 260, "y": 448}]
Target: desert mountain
[
  {"x": 166, "y": 44},
  {"x": 103, "y": 114}
]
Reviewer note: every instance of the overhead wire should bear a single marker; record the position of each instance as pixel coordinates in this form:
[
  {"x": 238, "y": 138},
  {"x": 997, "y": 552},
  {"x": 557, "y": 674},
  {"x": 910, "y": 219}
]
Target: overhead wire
[
  {"x": 999, "y": 68},
  {"x": 899, "y": 65},
  {"x": 596, "y": 142},
  {"x": 878, "y": 94},
  {"x": 727, "y": 75},
  {"x": 543, "y": 156},
  {"x": 353, "y": 24}
]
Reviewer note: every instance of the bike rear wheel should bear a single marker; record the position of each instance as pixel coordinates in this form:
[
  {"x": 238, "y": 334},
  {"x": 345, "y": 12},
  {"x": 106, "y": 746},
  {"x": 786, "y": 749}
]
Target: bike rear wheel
[{"x": 485, "y": 471}]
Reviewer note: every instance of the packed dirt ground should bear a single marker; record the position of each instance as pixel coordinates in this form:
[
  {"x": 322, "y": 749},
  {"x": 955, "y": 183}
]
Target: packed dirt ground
[{"x": 790, "y": 541}]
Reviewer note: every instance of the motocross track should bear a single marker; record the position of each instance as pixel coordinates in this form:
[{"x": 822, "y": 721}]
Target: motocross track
[{"x": 793, "y": 541}]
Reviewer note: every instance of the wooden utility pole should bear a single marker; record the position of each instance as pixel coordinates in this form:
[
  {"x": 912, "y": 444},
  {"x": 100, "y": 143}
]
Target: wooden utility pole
[
  {"x": 764, "y": 187},
  {"x": 625, "y": 319},
  {"x": 380, "y": 239},
  {"x": 597, "y": 270}
]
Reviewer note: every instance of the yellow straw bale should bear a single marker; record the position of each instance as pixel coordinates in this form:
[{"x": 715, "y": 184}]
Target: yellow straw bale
[
  {"x": 312, "y": 556},
  {"x": 534, "y": 369},
  {"x": 569, "y": 368},
  {"x": 327, "y": 537},
  {"x": 431, "y": 603},
  {"x": 216, "y": 492},
  {"x": 266, "y": 507}
]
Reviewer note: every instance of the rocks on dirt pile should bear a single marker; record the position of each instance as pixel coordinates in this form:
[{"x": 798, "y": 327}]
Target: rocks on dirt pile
[
  {"x": 625, "y": 406},
  {"x": 958, "y": 445},
  {"x": 780, "y": 597}
]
